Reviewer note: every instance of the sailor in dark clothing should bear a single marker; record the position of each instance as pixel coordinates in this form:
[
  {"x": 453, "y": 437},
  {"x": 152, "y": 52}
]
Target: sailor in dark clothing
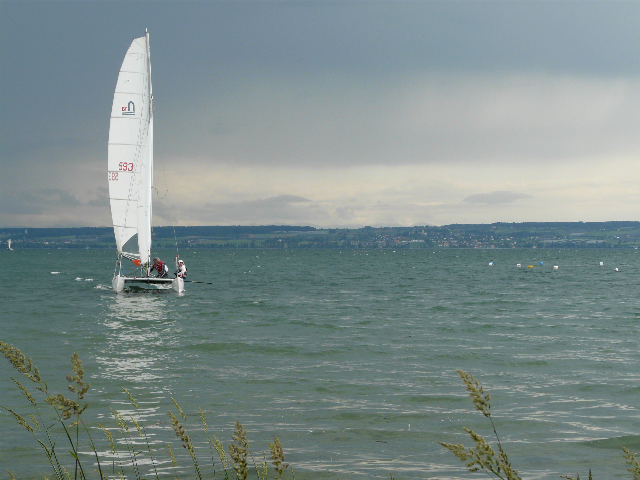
[{"x": 160, "y": 267}]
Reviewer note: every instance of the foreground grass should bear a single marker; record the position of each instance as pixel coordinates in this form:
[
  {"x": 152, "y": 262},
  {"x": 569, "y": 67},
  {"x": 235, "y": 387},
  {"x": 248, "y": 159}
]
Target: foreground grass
[
  {"x": 483, "y": 457},
  {"x": 126, "y": 456}
]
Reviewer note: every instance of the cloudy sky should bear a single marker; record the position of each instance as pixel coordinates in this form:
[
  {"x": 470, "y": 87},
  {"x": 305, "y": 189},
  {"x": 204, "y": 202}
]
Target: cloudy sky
[{"x": 329, "y": 113}]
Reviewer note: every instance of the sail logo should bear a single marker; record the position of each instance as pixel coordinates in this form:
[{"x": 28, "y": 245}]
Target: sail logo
[{"x": 130, "y": 109}]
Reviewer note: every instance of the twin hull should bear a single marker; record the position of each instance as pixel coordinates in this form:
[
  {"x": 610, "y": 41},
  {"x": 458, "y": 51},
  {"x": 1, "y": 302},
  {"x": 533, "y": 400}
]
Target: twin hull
[{"x": 120, "y": 283}]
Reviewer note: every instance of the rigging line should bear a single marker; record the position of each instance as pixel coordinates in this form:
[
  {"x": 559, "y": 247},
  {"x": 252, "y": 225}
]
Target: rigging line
[
  {"x": 166, "y": 192},
  {"x": 175, "y": 239},
  {"x": 168, "y": 198},
  {"x": 170, "y": 204}
]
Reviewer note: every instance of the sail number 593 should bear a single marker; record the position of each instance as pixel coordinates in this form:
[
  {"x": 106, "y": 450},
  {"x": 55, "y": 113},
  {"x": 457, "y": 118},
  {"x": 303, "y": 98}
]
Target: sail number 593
[{"x": 122, "y": 167}]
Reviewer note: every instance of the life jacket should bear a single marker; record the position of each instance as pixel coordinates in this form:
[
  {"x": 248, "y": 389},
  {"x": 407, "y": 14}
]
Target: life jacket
[{"x": 161, "y": 268}]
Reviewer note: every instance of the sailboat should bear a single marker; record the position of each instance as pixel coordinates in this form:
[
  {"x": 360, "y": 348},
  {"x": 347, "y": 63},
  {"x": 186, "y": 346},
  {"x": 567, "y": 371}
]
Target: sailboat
[
  {"x": 130, "y": 170},
  {"x": 9, "y": 244}
]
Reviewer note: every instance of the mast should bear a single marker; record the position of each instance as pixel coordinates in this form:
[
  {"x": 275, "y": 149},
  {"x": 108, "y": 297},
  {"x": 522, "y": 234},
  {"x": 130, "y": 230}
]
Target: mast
[{"x": 146, "y": 165}]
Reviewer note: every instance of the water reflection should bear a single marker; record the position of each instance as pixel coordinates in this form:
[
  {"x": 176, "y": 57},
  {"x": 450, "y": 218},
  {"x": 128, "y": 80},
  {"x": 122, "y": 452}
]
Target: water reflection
[
  {"x": 138, "y": 353},
  {"x": 149, "y": 305},
  {"x": 137, "y": 330}
]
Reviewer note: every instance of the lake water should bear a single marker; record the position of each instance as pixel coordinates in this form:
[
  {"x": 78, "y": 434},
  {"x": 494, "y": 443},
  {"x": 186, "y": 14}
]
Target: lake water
[{"x": 349, "y": 357}]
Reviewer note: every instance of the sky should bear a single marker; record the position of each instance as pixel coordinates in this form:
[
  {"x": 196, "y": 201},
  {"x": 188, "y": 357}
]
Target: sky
[{"x": 329, "y": 113}]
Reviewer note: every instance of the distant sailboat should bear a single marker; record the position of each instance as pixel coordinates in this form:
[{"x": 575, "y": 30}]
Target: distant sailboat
[
  {"x": 9, "y": 245},
  {"x": 130, "y": 168}
]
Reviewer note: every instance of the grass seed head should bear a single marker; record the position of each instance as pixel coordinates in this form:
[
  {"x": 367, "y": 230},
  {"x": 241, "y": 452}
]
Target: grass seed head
[
  {"x": 277, "y": 456},
  {"x": 182, "y": 414},
  {"x": 481, "y": 400},
  {"x": 220, "y": 449},
  {"x": 20, "y": 362},
  {"x": 204, "y": 422},
  {"x": 238, "y": 452},
  {"x": 173, "y": 459},
  {"x": 632, "y": 461},
  {"x": 133, "y": 402}
]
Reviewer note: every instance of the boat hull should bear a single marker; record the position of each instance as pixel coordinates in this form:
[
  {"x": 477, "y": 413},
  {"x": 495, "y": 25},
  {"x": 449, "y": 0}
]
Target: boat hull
[
  {"x": 178, "y": 285},
  {"x": 120, "y": 283}
]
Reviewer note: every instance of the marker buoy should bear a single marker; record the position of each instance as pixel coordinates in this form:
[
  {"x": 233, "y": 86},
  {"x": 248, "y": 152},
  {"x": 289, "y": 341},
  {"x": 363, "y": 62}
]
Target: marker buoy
[
  {"x": 518, "y": 265},
  {"x": 615, "y": 269},
  {"x": 601, "y": 263}
]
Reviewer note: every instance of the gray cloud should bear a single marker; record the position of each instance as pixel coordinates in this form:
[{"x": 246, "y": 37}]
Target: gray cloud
[
  {"x": 37, "y": 201},
  {"x": 341, "y": 68},
  {"x": 278, "y": 201},
  {"x": 53, "y": 207},
  {"x": 321, "y": 87},
  {"x": 295, "y": 210},
  {"x": 495, "y": 198},
  {"x": 281, "y": 209},
  {"x": 102, "y": 199}
]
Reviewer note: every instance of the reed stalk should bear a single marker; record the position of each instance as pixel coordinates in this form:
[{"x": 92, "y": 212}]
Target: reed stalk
[
  {"x": 141, "y": 431},
  {"x": 63, "y": 407},
  {"x": 126, "y": 433},
  {"x": 209, "y": 442},
  {"x": 217, "y": 444},
  {"x": 632, "y": 461},
  {"x": 67, "y": 409},
  {"x": 113, "y": 450},
  {"x": 180, "y": 432},
  {"x": 277, "y": 458},
  {"x": 482, "y": 457},
  {"x": 173, "y": 459},
  {"x": 238, "y": 451}
]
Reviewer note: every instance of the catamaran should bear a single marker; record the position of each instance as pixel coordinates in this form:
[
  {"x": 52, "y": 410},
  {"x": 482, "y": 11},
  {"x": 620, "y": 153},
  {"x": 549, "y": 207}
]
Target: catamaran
[{"x": 130, "y": 171}]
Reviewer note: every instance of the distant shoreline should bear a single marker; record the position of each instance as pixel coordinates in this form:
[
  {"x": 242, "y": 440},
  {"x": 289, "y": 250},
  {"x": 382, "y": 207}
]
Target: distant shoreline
[{"x": 544, "y": 235}]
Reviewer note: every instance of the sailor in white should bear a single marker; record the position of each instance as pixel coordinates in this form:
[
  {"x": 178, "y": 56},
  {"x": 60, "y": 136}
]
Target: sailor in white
[{"x": 182, "y": 270}]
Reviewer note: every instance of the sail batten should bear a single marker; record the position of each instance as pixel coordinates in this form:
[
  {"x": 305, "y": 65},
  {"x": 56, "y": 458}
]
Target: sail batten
[{"x": 130, "y": 153}]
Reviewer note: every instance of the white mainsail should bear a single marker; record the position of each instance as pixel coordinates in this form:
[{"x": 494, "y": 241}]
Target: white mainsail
[
  {"x": 130, "y": 153},
  {"x": 130, "y": 166}
]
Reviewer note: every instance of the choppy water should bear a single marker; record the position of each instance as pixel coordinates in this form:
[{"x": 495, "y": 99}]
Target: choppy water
[{"x": 348, "y": 357}]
